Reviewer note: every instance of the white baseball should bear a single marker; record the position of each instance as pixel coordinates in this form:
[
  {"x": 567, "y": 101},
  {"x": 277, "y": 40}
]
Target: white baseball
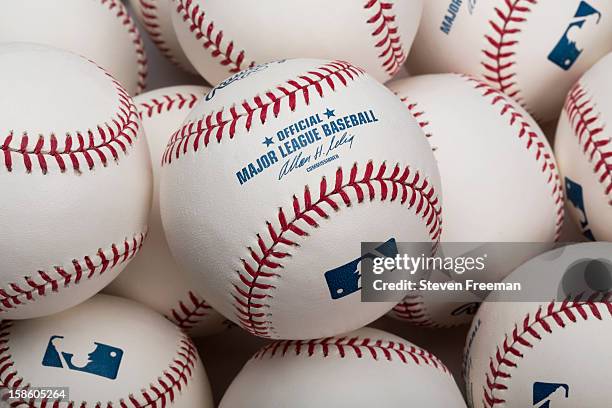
[
  {"x": 548, "y": 352},
  {"x": 153, "y": 277},
  {"x": 107, "y": 352},
  {"x": 100, "y": 30},
  {"x": 365, "y": 368},
  {"x": 156, "y": 18},
  {"x": 223, "y": 37},
  {"x": 275, "y": 179},
  {"x": 533, "y": 50},
  {"x": 584, "y": 150},
  {"x": 76, "y": 180},
  {"x": 499, "y": 178}
]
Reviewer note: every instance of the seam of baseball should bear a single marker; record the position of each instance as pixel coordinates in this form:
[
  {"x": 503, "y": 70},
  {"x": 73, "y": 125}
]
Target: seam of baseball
[
  {"x": 164, "y": 391},
  {"x": 589, "y": 129},
  {"x": 187, "y": 316},
  {"x": 534, "y": 141},
  {"x": 166, "y": 103},
  {"x": 225, "y": 122},
  {"x": 412, "y": 310},
  {"x": 499, "y": 59},
  {"x": 13, "y": 295},
  {"x": 211, "y": 38},
  {"x": 403, "y": 184},
  {"x": 362, "y": 347},
  {"x": 150, "y": 21},
  {"x": 121, "y": 130},
  {"x": 390, "y": 45},
  {"x": 507, "y": 355},
  {"x": 141, "y": 56}
]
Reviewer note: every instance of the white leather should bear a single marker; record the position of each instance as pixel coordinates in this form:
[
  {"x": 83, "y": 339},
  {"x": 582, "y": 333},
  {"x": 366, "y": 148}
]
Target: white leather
[
  {"x": 541, "y": 84},
  {"x": 59, "y": 222},
  {"x": 156, "y": 18},
  {"x": 153, "y": 277},
  {"x": 494, "y": 182},
  {"x": 151, "y": 348},
  {"x": 572, "y": 351},
  {"x": 585, "y": 153},
  {"x": 100, "y": 30},
  {"x": 211, "y": 220},
  {"x": 333, "y": 373},
  {"x": 274, "y": 29}
]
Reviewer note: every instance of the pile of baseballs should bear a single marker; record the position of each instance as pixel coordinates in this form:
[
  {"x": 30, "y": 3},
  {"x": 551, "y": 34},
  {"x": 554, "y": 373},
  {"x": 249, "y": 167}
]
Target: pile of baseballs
[{"x": 135, "y": 218}]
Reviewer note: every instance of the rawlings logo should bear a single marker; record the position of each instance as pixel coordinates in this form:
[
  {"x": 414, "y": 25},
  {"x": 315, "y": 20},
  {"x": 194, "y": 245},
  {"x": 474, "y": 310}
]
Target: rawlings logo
[{"x": 238, "y": 77}]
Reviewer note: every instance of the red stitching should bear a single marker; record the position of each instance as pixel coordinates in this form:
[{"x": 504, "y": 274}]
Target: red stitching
[
  {"x": 421, "y": 117},
  {"x": 159, "y": 394},
  {"x": 534, "y": 141},
  {"x": 150, "y": 22},
  {"x": 500, "y": 57},
  {"x": 165, "y": 103},
  {"x": 231, "y": 58},
  {"x": 529, "y": 331},
  {"x": 187, "y": 316},
  {"x": 413, "y": 310},
  {"x": 80, "y": 146},
  {"x": 589, "y": 129},
  {"x": 13, "y": 295},
  {"x": 390, "y": 45},
  {"x": 225, "y": 122},
  {"x": 403, "y": 184},
  {"x": 141, "y": 57},
  {"x": 359, "y": 346}
]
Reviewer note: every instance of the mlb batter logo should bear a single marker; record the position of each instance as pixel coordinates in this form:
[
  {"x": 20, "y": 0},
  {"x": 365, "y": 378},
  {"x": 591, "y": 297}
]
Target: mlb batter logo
[
  {"x": 569, "y": 48},
  {"x": 575, "y": 195},
  {"x": 344, "y": 280},
  {"x": 103, "y": 361},
  {"x": 550, "y": 395}
]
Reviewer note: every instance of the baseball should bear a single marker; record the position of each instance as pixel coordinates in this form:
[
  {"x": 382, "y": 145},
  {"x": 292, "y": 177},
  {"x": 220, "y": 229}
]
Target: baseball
[
  {"x": 499, "y": 179},
  {"x": 100, "y": 30},
  {"x": 156, "y": 17},
  {"x": 76, "y": 180},
  {"x": 277, "y": 176},
  {"x": 153, "y": 278},
  {"x": 584, "y": 150},
  {"x": 532, "y": 50},
  {"x": 372, "y": 34},
  {"x": 365, "y": 368},
  {"x": 107, "y": 351},
  {"x": 516, "y": 352}
]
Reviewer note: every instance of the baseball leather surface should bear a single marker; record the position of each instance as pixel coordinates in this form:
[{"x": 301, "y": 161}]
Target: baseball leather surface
[
  {"x": 275, "y": 179},
  {"x": 364, "y": 368},
  {"x": 100, "y": 30},
  {"x": 499, "y": 177},
  {"x": 375, "y": 35},
  {"x": 153, "y": 277},
  {"x": 156, "y": 17},
  {"x": 76, "y": 180},
  {"x": 516, "y": 352},
  {"x": 532, "y": 50},
  {"x": 108, "y": 351},
  {"x": 584, "y": 150}
]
